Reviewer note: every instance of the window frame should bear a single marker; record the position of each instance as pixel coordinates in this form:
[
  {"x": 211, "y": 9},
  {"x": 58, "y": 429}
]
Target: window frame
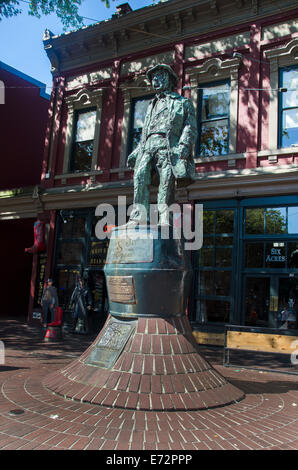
[
  {"x": 140, "y": 87},
  {"x": 280, "y": 108},
  {"x": 200, "y": 120},
  {"x": 83, "y": 100},
  {"x": 73, "y": 141},
  {"x": 280, "y": 57},
  {"x": 134, "y": 100},
  {"x": 210, "y": 72}
]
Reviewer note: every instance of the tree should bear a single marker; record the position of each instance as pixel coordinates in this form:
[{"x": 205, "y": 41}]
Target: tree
[{"x": 66, "y": 10}]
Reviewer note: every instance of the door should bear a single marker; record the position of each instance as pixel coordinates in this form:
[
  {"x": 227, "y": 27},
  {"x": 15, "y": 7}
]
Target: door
[
  {"x": 287, "y": 302},
  {"x": 257, "y": 300},
  {"x": 271, "y": 301}
]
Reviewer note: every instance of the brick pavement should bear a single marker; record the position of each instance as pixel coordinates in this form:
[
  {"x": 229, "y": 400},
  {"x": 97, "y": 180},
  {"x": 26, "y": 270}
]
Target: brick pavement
[{"x": 267, "y": 418}]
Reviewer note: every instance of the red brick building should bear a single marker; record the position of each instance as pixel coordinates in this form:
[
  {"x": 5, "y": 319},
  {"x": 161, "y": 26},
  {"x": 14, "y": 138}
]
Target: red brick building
[
  {"x": 23, "y": 110},
  {"x": 237, "y": 61}
]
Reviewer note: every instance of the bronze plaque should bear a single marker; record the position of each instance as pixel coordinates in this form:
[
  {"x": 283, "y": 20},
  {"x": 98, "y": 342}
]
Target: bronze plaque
[
  {"x": 121, "y": 289},
  {"x": 111, "y": 343},
  {"x": 127, "y": 250}
]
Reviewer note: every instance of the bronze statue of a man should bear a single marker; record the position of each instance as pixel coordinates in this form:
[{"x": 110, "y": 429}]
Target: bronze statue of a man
[{"x": 165, "y": 147}]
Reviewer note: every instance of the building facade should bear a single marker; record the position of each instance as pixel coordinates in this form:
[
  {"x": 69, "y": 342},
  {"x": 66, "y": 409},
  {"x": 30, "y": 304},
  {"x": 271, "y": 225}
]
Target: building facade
[
  {"x": 238, "y": 62},
  {"x": 24, "y": 112}
]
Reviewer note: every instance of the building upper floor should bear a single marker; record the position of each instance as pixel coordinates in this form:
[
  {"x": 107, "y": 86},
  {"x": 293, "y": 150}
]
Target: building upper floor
[
  {"x": 24, "y": 113},
  {"x": 237, "y": 61}
]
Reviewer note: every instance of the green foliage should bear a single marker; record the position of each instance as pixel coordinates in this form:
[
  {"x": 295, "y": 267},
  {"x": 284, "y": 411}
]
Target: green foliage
[
  {"x": 9, "y": 8},
  {"x": 66, "y": 10}
]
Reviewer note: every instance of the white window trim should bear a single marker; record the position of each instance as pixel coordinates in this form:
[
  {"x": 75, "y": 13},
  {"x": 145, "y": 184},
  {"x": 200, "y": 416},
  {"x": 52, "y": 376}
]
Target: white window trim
[
  {"x": 283, "y": 56},
  {"x": 214, "y": 70},
  {"x": 139, "y": 88},
  {"x": 82, "y": 100}
]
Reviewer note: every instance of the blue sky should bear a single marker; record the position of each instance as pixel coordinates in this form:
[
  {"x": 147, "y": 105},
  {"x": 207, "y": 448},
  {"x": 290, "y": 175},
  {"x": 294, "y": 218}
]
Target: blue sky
[{"x": 21, "y": 36}]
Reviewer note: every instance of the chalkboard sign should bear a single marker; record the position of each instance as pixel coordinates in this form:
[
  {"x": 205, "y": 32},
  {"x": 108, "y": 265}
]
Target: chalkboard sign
[{"x": 40, "y": 279}]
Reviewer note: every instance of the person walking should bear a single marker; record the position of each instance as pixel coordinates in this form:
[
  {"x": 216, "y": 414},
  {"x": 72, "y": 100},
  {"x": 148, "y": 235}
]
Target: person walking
[
  {"x": 81, "y": 302},
  {"x": 49, "y": 302}
]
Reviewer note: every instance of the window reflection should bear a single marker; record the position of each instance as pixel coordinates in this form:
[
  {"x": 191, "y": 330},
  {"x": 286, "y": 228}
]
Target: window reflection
[
  {"x": 225, "y": 221},
  {"x": 214, "y": 120},
  {"x": 293, "y": 255},
  {"x": 83, "y": 140},
  {"x": 293, "y": 219},
  {"x": 276, "y": 221},
  {"x": 139, "y": 109},
  {"x": 215, "y": 310},
  {"x": 208, "y": 221},
  {"x": 254, "y": 221},
  {"x": 289, "y": 108}
]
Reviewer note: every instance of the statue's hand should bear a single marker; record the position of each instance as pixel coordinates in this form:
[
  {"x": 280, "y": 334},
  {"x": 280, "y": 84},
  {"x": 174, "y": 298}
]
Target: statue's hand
[
  {"x": 131, "y": 160},
  {"x": 184, "y": 152}
]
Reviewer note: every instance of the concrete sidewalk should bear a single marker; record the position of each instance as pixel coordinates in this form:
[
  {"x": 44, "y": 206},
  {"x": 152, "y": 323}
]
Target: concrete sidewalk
[{"x": 31, "y": 417}]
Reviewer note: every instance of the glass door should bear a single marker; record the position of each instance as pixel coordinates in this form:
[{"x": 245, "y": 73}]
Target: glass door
[
  {"x": 287, "y": 302},
  {"x": 271, "y": 301},
  {"x": 257, "y": 300}
]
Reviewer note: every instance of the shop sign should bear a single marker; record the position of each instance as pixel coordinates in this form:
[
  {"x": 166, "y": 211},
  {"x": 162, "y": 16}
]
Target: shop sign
[
  {"x": 40, "y": 279},
  {"x": 275, "y": 256}
]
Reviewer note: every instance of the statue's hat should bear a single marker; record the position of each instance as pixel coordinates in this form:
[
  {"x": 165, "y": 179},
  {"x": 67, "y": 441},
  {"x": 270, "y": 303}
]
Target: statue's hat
[{"x": 162, "y": 67}]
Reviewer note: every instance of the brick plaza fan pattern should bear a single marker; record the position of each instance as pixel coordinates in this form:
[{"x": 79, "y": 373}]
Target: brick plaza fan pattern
[{"x": 145, "y": 357}]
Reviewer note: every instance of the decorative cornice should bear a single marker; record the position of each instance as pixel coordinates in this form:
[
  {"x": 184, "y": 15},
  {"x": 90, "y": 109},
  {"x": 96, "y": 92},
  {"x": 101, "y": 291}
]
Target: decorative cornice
[
  {"x": 216, "y": 66},
  {"x": 152, "y": 26},
  {"x": 289, "y": 50},
  {"x": 84, "y": 98}
]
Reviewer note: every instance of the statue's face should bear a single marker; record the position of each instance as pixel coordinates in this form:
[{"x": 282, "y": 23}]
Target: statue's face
[{"x": 161, "y": 81}]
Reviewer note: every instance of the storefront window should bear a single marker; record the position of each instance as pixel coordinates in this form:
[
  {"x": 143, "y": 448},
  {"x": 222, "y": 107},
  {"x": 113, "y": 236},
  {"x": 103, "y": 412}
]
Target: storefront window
[
  {"x": 78, "y": 227},
  {"x": 293, "y": 255},
  {"x": 98, "y": 253},
  {"x": 73, "y": 226},
  {"x": 275, "y": 220},
  {"x": 271, "y": 220},
  {"x": 206, "y": 283},
  {"x": 223, "y": 257},
  {"x": 215, "y": 266},
  {"x": 275, "y": 255},
  {"x": 293, "y": 219},
  {"x": 224, "y": 221},
  {"x": 247, "y": 272},
  {"x": 67, "y": 279},
  {"x": 254, "y": 255},
  {"x": 214, "y": 310},
  {"x": 254, "y": 221},
  {"x": 70, "y": 253},
  {"x": 222, "y": 283},
  {"x": 257, "y": 300},
  {"x": 208, "y": 221},
  {"x": 287, "y": 303}
]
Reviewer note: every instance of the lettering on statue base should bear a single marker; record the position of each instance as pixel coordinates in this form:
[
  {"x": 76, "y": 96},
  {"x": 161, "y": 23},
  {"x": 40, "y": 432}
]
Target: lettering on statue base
[
  {"x": 126, "y": 250},
  {"x": 121, "y": 289},
  {"x": 111, "y": 344}
]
